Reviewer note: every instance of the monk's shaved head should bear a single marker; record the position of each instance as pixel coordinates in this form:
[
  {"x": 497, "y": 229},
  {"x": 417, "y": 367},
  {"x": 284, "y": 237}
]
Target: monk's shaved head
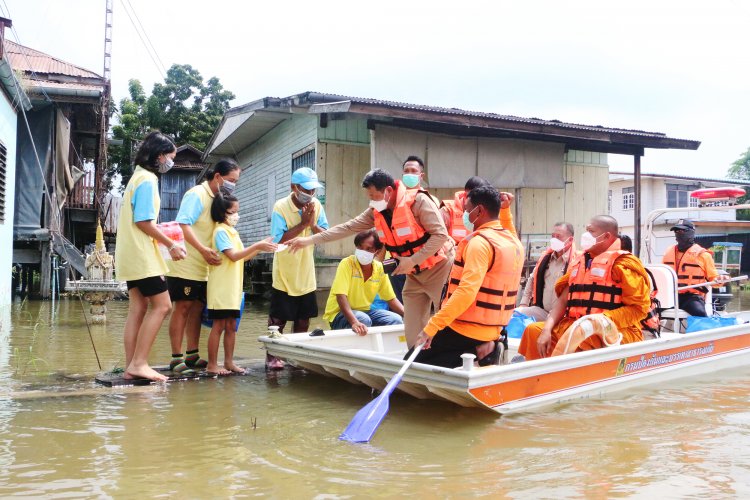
[{"x": 606, "y": 224}]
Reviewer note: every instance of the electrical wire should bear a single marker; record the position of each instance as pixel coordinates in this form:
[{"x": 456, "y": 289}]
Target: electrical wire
[
  {"x": 145, "y": 33},
  {"x": 122, "y": 2}
]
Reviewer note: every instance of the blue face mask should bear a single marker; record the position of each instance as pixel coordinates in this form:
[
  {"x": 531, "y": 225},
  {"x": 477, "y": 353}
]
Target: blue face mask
[
  {"x": 410, "y": 180},
  {"x": 467, "y": 223}
]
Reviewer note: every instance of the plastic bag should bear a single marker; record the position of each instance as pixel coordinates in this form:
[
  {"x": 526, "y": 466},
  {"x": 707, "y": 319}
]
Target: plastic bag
[
  {"x": 517, "y": 324},
  {"x": 208, "y": 323},
  {"x": 173, "y": 231},
  {"x": 699, "y": 323}
]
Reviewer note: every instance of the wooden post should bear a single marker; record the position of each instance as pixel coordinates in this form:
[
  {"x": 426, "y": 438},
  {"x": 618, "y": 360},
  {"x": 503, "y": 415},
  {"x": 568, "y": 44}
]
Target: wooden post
[{"x": 637, "y": 211}]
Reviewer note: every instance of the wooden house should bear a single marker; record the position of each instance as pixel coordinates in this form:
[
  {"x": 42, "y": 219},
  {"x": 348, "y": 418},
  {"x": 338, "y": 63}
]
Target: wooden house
[
  {"x": 557, "y": 170},
  {"x": 13, "y": 102},
  {"x": 61, "y": 158},
  {"x": 187, "y": 169}
]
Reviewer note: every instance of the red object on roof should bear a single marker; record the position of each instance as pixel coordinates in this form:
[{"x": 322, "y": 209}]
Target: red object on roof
[{"x": 724, "y": 193}]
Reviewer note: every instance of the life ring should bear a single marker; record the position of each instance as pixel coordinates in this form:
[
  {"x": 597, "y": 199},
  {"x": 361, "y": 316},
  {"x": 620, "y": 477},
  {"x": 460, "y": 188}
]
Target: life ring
[{"x": 585, "y": 327}]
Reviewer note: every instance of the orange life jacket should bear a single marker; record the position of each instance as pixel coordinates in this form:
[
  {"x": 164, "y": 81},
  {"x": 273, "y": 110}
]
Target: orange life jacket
[
  {"x": 455, "y": 207},
  {"x": 537, "y": 287},
  {"x": 496, "y": 299},
  {"x": 688, "y": 269},
  {"x": 593, "y": 290},
  {"x": 405, "y": 237}
]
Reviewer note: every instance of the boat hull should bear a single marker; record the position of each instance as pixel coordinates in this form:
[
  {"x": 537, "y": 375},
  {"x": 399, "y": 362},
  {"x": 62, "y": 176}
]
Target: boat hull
[{"x": 372, "y": 360}]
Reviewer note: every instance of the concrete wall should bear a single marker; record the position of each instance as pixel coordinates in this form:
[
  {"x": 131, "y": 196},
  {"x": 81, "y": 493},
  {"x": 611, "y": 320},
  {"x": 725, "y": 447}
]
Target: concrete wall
[{"x": 8, "y": 124}]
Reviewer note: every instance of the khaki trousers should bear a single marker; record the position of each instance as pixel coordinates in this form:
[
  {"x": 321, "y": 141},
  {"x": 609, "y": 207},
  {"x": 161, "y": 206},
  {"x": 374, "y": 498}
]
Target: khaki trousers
[{"x": 421, "y": 292}]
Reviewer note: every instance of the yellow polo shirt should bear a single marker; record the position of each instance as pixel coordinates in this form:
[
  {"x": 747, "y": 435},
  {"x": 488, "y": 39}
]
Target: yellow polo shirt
[
  {"x": 294, "y": 273},
  {"x": 196, "y": 202},
  {"x": 137, "y": 255},
  {"x": 349, "y": 281},
  {"x": 224, "y": 289}
]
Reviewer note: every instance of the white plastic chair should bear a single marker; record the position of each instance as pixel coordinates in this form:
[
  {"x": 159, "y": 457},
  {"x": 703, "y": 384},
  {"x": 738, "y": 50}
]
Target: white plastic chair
[{"x": 666, "y": 284}]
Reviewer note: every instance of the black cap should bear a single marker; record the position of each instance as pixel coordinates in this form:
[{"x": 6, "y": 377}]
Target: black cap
[{"x": 683, "y": 224}]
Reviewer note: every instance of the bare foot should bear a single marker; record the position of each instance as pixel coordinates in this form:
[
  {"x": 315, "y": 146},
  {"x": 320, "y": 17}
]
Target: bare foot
[
  {"x": 215, "y": 370},
  {"x": 144, "y": 372},
  {"x": 483, "y": 350},
  {"x": 234, "y": 368},
  {"x": 274, "y": 363}
]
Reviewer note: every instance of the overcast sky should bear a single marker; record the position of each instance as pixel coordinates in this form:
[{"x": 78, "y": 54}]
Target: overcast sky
[{"x": 678, "y": 67}]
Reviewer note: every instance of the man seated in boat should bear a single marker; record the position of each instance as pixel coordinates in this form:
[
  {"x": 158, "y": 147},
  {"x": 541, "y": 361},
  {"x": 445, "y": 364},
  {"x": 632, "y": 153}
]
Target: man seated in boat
[
  {"x": 359, "y": 278},
  {"x": 482, "y": 287},
  {"x": 539, "y": 294},
  {"x": 600, "y": 279},
  {"x": 693, "y": 265}
]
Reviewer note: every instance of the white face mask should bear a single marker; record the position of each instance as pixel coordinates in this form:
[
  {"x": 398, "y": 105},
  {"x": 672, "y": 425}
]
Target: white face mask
[
  {"x": 556, "y": 244},
  {"x": 363, "y": 256},
  {"x": 378, "y": 205},
  {"x": 304, "y": 198},
  {"x": 233, "y": 219},
  {"x": 166, "y": 166},
  {"x": 588, "y": 240}
]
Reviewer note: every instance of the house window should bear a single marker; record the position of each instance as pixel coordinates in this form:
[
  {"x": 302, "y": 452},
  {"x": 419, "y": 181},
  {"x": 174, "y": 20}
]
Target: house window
[
  {"x": 628, "y": 198},
  {"x": 3, "y": 168},
  {"x": 678, "y": 195},
  {"x": 304, "y": 158}
]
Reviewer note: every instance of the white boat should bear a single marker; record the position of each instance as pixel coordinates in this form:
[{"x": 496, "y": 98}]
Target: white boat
[{"x": 373, "y": 359}]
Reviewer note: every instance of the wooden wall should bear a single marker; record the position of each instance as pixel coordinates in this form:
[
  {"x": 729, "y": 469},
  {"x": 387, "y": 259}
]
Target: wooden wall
[{"x": 342, "y": 167}]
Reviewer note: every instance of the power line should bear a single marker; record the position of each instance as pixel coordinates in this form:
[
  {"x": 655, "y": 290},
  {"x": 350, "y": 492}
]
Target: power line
[
  {"x": 148, "y": 39},
  {"x": 122, "y": 2}
]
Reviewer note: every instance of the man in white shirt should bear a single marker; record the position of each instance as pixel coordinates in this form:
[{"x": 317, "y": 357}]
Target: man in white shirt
[{"x": 539, "y": 294}]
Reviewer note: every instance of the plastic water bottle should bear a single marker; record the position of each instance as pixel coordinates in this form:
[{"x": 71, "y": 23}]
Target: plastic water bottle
[{"x": 173, "y": 231}]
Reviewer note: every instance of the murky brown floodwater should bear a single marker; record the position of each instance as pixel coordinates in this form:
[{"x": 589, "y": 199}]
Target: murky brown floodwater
[{"x": 63, "y": 436}]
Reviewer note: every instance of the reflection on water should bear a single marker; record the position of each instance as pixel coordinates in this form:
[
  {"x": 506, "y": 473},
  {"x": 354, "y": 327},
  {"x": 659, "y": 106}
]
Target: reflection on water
[{"x": 61, "y": 435}]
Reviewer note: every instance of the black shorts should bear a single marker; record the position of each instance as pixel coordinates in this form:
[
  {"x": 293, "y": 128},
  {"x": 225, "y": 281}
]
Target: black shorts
[
  {"x": 153, "y": 285},
  {"x": 223, "y": 313},
  {"x": 288, "y": 308},
  {"x": 183, "y": 289}
]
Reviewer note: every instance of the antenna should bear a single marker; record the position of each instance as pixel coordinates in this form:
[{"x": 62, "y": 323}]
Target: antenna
[
  {"x": 108, "y": 41},
  {"x": 101, "y": 157}
]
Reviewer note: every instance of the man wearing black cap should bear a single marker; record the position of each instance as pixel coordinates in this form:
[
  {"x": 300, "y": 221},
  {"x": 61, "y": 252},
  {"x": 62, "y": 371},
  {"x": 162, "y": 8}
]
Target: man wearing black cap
[{"x": 693, "y": 265}]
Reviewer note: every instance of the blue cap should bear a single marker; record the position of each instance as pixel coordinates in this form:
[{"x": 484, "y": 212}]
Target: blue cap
[{"x": 306, "y": 177}]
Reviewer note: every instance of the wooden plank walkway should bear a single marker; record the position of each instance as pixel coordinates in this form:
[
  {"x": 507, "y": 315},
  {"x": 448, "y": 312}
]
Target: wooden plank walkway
[{"x": 110, "y": 379}]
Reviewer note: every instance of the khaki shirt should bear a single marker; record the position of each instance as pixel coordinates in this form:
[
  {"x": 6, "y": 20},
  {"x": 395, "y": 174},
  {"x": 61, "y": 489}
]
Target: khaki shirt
[{"x": 555, "y": 269}]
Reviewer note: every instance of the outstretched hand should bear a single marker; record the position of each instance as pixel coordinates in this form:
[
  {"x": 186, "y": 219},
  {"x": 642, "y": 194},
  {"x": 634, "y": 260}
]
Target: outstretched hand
[
  {"x": 424, "y": 339},
  {"x": 297, "y": 244},
  {"x": 267, "y": 245}
]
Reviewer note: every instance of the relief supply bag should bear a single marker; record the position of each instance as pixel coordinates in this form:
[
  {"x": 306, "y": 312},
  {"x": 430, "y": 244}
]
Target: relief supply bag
[{"x": 699, "y": 323}]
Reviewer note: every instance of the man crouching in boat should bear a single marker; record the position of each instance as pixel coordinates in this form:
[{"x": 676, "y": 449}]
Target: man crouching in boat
[
  {"x": 601, "y": 279},
  {"x": 482, "y": 287}
]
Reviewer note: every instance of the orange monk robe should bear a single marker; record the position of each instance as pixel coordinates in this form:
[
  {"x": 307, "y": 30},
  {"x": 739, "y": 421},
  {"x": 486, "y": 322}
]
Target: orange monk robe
[{"x": 628, "y": 272}]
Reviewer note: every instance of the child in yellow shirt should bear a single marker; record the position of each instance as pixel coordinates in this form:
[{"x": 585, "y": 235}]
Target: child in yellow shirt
[{"x": 224, "y": 289}]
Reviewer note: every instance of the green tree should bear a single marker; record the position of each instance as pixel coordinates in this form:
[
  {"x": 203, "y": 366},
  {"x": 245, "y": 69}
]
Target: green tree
[
  {"x": 183, "y": 107},
  {"x": 740, "y": 169}
]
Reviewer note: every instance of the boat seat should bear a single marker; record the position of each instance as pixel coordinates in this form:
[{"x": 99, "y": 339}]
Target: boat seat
[{"x": 666, "y": 283}]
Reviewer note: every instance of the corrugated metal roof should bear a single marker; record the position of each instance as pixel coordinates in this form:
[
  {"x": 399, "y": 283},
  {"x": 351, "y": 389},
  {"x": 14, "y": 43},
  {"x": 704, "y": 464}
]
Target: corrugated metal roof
[
  {"x": 315, "y": 96},
  {"x": 29, "y": 60},
  {"x": 32, "y": 86}
]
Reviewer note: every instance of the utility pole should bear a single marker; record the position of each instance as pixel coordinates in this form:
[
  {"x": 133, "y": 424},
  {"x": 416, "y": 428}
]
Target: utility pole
[{"x": 101, "y": 164}]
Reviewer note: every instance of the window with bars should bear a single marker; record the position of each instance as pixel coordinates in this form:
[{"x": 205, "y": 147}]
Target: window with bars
[
  {"x": 678, "y": 195},
  {"x": 3, "y": 176},
  {"x": 304, "y": 158},
  {"x": 628, "y": 198}
]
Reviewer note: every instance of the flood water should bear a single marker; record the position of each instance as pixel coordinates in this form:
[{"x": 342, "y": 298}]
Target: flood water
[{"x": 62, "y": 436}]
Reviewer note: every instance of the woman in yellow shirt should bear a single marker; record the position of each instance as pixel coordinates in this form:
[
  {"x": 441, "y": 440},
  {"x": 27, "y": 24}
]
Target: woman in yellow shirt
[{"x": 138, "y": 260}]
